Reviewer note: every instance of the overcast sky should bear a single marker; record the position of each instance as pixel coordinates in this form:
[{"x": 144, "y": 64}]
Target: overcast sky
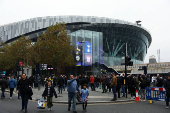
[{"x": 154, "y": 14}]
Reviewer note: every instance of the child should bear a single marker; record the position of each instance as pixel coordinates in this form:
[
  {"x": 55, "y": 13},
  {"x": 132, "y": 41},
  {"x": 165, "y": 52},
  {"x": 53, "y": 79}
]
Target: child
[
  {"x": 84, "y": 93},
  {"x": 49, "y": 91}
]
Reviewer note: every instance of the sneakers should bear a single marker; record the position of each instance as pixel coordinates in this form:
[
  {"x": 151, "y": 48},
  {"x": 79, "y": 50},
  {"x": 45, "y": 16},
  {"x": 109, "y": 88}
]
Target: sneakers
[
  {"x": 49, "y": 109},
  {"x": 167, "y": 107},
  {"x": 22, "y": 110},
  {"x": 10, "y": 97}
]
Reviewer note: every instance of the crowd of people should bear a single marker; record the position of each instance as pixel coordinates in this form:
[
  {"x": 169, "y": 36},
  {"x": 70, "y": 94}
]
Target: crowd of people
[{"x": 119, "y": 85}]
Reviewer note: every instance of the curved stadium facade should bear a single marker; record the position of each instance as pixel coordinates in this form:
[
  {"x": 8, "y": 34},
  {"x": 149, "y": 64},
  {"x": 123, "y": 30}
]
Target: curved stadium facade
[{"x": 104, "y": 38}]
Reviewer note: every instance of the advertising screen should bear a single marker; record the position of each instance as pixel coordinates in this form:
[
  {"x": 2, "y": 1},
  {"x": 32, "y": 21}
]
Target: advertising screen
[{"x": 87, "y": 54}]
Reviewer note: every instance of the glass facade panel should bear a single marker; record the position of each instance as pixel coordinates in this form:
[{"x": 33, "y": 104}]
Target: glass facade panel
[{"x": 91, "y": 47}]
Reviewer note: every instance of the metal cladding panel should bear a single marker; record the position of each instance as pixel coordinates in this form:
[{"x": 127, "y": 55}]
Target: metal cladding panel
[{"x": 30, "y": 25}]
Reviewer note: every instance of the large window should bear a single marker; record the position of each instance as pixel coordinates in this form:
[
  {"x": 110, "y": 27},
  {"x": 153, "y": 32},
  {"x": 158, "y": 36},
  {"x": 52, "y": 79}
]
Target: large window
[{"x": 92, "y": 48}]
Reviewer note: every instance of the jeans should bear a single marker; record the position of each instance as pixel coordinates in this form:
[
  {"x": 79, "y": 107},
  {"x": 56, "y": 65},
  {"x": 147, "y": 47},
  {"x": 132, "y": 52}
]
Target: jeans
[
  {"x": 123, "y": 89},
  {"x": 114, "y": 92},
  {"x": 64, "y": 86},
  {"x": 70, "y": 97},
  {"x": 24, "y": 101},
  {"x": 60, "y": 88},
  {"x": 3, "y": 90},
  {"x": 11, "y": 91},
  {"x": 89, "y": 85},
  {"x": 108, "y": 87},
  {"x": 97, "y": 84}
]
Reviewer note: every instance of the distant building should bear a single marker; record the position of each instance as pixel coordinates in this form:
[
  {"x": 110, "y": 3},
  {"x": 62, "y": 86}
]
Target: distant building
[{"x": 152, "y": 59}]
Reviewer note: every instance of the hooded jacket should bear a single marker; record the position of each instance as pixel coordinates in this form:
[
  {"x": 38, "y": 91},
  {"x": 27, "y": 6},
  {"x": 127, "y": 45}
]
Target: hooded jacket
[
  {"x": 12, "y": 83},
  {"x": 92, "y": 80}
]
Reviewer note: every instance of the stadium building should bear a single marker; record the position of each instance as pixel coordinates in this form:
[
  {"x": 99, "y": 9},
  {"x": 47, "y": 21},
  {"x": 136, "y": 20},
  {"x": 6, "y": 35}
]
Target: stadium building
[{"x": 104, "y": 38}]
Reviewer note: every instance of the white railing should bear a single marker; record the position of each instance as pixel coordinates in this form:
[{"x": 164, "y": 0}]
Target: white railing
[{"x": 165, "y": 64}]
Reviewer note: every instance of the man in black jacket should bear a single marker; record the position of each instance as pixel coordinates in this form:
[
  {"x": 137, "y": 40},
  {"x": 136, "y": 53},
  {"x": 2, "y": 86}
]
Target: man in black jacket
[
  {"x": 167, "y": 87},
  {"x": 131, "y": 86},
  {"x": 60, "y": 84},
  {"x": 24, "y": 86},
  {"x": 160, "y": 81},
  {"x": 143, "y": 86},
  {"x": 83, "y": 81},
  {"x": 4, "y": 85},
  {"x": 49, "y": 91}
]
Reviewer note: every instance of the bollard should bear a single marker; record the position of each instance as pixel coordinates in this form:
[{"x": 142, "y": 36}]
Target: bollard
[{"x": 151, "y": 101}]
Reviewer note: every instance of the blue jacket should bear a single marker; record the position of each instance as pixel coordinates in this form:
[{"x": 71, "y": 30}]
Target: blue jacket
[
  {"x": 12, "y": 83},
  {"x": 72, "y": 86}
]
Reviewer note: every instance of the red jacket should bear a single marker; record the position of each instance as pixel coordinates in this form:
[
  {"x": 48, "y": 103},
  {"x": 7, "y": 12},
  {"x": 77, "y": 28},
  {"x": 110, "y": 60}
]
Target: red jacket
[{"x": 92, "y": 80}]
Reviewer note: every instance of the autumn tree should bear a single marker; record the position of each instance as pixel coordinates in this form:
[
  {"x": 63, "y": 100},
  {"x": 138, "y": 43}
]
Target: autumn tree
[
  {"x": 54, "y": 47},
  {"x": 14, "y": 52}
]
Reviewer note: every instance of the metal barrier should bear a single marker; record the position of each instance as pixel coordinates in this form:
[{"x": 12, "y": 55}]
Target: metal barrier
[{"x": 155, "y": 93}]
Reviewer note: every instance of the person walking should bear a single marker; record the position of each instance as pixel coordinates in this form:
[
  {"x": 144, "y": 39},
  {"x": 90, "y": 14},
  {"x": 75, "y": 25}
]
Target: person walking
[
  {"x": 92, "y": 83},
  {"x": 85, "y": 94},
  {"x": 143, "y": 86},
  {"x": 49, "y": 92},
  {"x": 23, "y": 85},
  {"x": 71, "y": 88},
  {"x": 160, "y": 81},
  {"x": 113, "y": 86},
  {"x": 122, "y": 79},
  {"x": 118, "y": 85},
  {"x": 167, "y": 88},
  {"x": 97, "y": 82},
  {"x": 103, "y": 82},
  {"x": 12, "y": 84},
  {"x": 108, "y": 83},
  {"x": 131, "y": 86},
  {"x": 19, "y": 89},
  {"x": 60, "y": 84},
  {"x": 4, "y": 85}
]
